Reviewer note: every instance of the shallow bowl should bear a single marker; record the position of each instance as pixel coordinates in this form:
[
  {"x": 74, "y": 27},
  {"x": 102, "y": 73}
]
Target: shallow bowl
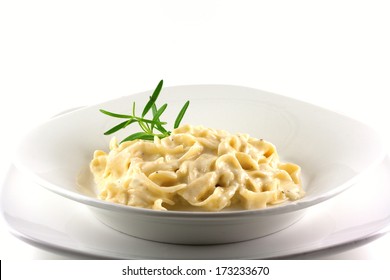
[{"x": 332, "y": 150}]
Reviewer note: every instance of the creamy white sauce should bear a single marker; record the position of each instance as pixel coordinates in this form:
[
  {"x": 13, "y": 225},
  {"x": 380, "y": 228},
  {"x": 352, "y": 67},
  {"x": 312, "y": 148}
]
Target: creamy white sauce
[{"x": 196, "y": 168}]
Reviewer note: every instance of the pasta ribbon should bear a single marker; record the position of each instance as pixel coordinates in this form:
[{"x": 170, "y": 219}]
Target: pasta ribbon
[{"x": 196, "y": 169}]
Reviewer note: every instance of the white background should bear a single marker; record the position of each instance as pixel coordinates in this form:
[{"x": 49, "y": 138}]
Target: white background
[{"x": 56, "y": 55}]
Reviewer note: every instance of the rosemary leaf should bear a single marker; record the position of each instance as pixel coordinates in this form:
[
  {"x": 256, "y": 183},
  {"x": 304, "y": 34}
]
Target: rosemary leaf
[
  {"x": 115, "y": 115},
  {"x": 159, "y": 112},
  {"x": 120, "y": 126},
  {"x": 154, "y": 111},
  {"x": 181, "y": 114},
  {"x": 152, "y": 99},
  {"x": 138, "y": 135}
]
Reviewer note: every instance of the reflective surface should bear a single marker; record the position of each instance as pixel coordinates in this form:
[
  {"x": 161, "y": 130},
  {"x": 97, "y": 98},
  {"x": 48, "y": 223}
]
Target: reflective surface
[{"x": 42, "y": 218}]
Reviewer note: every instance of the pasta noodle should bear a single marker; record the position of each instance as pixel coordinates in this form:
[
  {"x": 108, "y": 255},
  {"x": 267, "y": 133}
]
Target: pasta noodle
[{"x": 195, "y": 168}]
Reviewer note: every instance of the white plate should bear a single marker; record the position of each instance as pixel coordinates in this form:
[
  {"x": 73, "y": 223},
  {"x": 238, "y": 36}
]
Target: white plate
[
  {"x": 44, "y": 219},
  {"x": 331, "y": 149}
]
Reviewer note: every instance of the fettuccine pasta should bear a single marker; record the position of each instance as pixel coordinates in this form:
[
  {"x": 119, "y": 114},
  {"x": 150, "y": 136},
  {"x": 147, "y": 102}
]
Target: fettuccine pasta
[{"x": 195, "y": 168}]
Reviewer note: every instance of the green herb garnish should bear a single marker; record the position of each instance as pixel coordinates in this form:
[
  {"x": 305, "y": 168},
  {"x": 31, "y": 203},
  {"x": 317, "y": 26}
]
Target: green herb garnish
[{"x": 148, "y": 126}]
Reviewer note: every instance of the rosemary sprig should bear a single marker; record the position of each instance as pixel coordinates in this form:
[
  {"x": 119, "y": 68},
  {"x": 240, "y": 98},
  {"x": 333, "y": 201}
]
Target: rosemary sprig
[{"x": 147, "y": 126}]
